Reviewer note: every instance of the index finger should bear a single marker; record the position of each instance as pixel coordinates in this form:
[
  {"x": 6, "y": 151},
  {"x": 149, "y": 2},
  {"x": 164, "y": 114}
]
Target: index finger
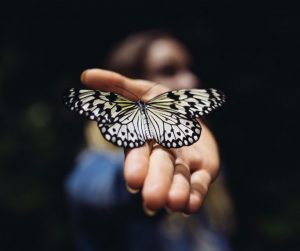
[{"x": 114, "y": 82}]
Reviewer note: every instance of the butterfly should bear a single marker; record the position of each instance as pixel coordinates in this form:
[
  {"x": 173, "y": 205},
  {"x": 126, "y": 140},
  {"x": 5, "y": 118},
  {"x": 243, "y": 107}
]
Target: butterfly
[{"x": 169, "y": 118}]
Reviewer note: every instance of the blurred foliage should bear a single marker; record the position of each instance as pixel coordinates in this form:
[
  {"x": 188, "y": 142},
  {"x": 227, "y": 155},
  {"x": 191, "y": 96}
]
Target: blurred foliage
[{"x": 248, "y": 50}]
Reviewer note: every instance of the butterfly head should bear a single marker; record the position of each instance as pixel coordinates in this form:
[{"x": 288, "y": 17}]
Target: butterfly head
[{"x": 141, "y": 104}]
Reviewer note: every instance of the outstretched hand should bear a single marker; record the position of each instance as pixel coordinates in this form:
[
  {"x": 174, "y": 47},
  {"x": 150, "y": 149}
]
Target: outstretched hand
[{"x": 176, "y": 178}]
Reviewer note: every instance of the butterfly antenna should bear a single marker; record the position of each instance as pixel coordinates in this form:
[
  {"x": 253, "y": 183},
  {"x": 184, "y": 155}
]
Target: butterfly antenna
[
  {"x": 149, "y": 89},
  {"x": 128, "y": 92}
]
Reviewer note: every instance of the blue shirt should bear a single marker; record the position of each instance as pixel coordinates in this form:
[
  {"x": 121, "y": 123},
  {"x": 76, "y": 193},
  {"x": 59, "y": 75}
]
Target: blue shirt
[{"x": 107, "y": 217}]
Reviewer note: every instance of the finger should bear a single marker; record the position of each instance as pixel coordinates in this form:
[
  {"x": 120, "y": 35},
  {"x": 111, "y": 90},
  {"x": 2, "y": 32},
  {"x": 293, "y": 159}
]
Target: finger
[
  {"x": 159, "y": 178},
  {"x": 200, "y": 181},
  {"x": 180, "y": 189},
  {"x": 136, "y": 166},
  {"x": 114, "y": 82},
  {"x": 209, "y": 158}
]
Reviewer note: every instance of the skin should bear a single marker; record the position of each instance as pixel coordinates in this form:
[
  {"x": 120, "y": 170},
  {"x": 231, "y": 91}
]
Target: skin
[{"x": 177, "y": 179}]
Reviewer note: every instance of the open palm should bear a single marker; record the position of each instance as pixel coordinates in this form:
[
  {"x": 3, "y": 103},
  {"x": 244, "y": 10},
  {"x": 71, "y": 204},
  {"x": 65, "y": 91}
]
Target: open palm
[{"x": 176, "y": 178}]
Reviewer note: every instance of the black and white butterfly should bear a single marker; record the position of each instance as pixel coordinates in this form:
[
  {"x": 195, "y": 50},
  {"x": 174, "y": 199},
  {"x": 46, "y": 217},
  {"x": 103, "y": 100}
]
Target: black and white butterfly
[{"x": 169, "y": 118}]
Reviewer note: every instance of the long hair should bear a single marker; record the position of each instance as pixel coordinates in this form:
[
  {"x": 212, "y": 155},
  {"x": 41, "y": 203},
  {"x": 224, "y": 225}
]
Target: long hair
[{"x": 128, "y": 57}]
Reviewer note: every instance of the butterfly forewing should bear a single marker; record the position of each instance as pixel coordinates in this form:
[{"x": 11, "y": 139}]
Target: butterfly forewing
[
  {"x": 96, "y": 105},
  {"x": 191, "y": 103}
]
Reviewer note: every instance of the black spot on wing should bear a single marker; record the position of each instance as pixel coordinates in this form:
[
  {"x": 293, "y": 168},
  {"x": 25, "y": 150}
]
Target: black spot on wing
[
  {"x": 188, "y": 94},
  {"x": 112, "y": 97},
  {"x": 118, "y": 108},
  {"x": 173, "y": 96},
  {"x": 173, "y": 106}
]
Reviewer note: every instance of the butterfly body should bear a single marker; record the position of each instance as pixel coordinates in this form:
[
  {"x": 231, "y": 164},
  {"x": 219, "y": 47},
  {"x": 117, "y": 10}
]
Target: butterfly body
[
  {"x": 143, "y": 109},
  {"x": 169, "y": 118}
]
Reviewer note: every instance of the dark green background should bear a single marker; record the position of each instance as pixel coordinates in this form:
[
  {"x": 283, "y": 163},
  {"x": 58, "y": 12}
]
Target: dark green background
[{"x": 249, "y": 50}]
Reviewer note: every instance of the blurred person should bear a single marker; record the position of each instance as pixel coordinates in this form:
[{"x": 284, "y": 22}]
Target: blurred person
[{"x": 106, "y": 216}]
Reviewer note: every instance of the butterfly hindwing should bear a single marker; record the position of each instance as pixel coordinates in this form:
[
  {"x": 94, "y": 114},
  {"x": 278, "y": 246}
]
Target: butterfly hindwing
[
  {"x": 126, "y": 130},
  {"x": 171, "y": 130}
]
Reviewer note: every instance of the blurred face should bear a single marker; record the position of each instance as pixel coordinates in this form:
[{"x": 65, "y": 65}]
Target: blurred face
[{"x": 168, "y": 63}]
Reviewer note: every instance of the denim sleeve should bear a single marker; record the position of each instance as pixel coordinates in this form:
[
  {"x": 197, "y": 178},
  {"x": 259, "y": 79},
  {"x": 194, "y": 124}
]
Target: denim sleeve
[{"x": 97, "y": 180}]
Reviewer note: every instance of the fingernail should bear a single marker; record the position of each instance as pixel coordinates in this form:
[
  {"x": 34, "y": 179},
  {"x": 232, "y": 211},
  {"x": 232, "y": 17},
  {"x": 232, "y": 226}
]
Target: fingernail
[
  {"x": 168, "y": 210},
  {"x": 148, "y": 211},
  {"x": 131, "y": 190},
  {"x": 82, "y": 76},
  {"x": 185, "y": 215}
]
